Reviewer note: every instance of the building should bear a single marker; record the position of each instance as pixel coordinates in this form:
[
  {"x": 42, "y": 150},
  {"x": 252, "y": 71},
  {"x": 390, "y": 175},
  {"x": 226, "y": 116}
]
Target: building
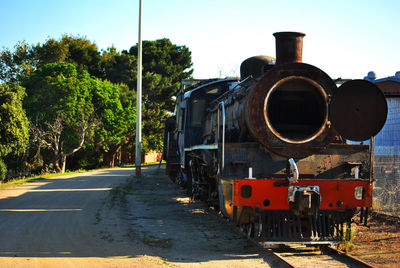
[{"x": 387, "y": 146}]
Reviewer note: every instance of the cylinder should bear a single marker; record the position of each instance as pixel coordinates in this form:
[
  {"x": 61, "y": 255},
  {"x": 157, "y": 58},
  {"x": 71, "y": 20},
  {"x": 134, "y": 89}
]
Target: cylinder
[{"x": 289, "y": 47}]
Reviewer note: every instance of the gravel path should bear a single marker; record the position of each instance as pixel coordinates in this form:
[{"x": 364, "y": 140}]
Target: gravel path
[{"x": 185, "y": 233}]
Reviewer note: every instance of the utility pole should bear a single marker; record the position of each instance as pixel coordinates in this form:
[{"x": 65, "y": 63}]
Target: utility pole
[{"x": 138, "y": 154}]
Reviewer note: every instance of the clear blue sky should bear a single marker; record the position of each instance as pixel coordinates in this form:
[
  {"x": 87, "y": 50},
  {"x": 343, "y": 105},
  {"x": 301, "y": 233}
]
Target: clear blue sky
[{"x": 345, "y": 38}]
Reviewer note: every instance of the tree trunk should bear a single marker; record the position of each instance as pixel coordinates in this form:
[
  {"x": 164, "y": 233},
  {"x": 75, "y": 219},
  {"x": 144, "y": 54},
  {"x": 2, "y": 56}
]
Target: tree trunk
[
  {"x": 119, "y": 156},
  {"x": 110, "y": 155},
  {"x": 56, "y": 164},
  {"x": 63, "y": 163},
  {"x": 109, "y": 158}
]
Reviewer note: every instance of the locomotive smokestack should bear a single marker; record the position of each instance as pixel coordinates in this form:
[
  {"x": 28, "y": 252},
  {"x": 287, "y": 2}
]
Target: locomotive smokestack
[{"x": 289, "y": 47}]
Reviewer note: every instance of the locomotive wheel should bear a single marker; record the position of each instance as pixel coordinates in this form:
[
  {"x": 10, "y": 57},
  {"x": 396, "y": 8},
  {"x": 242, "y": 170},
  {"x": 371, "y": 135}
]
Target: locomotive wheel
[
  {"x": 242, "y": 228},
  {"x": 182, "y": 179},
  {"x": 258, "y": 227},
  {"x": 250, "y": 230}
]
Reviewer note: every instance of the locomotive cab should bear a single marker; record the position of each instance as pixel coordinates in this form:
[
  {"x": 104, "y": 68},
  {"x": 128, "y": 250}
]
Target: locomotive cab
[
  {"x": 198, "y": 100},
  {"x": 190, "y": 111}
]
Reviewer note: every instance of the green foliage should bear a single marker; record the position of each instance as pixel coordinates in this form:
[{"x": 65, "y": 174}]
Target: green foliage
[
  {"x": 13, "y": 121},
  {"x": 38, "y": 178},
  {"x": 120, "y": 67},
  {"x": 116, "y": 120},
  {"x": 16, "y": 64},
  {"x": 66, "y": 95},
  {"x": 25, "y": 59},
  {"x": 58, "y": 90},
  {"x": 51, "y": 52},
  {"x": 167, "y": 64},
  {"x": 83, "y": 54},
  {"x": 59, "y": 106},
  {"x": 164, "y": 66},
  {"x": 3, "y": 170}
]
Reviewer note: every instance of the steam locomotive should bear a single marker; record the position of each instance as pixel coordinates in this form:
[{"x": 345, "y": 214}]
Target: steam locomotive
[{"x": 272, "y": 149}]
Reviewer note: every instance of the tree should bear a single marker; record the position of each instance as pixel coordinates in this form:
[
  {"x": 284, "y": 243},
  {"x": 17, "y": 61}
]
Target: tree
[
  {"x": 25, "y": 59},
  {"x": 164, "y": 66},
  {"x": 13, "y": 123},
  {"x": 84, "y": 54},
  {"x": 173, "y": 63},
  {"x": 14, "y": 65},
  {"x": 60, "y": 110},
  {"x": 153, "y": 130},
  {"x": 51, "y": 51},
  {"x": 120, "y": 67},
  {"x": 117, "y": 114},
  {"x": 65, "y": 100}
]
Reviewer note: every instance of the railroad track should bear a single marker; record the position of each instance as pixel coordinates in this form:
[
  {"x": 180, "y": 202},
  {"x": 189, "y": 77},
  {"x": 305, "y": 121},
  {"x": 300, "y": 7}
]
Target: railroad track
[
  {"x": 297, "y": 254},
  {"x": 352, "y": 258},
  {"x": 312, "y": 256}
]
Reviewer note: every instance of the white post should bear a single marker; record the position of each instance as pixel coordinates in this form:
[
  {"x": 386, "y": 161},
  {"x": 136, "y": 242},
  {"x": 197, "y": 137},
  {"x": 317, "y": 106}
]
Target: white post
[{"x": 138, "y": 154}]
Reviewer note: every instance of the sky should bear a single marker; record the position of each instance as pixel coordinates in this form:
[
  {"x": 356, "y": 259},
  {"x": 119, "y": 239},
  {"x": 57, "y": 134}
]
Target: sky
[{"x": 345, "y": 38}]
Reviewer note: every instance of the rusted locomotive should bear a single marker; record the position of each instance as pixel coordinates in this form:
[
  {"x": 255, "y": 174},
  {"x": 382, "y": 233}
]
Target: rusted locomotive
[{"x": 272, "y": 149}]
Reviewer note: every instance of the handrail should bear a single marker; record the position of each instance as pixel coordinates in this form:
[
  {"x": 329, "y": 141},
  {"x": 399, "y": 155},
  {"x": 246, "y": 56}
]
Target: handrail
[
  {"x": 222, "y": 104},
  {"x": 295, "y": 170}
]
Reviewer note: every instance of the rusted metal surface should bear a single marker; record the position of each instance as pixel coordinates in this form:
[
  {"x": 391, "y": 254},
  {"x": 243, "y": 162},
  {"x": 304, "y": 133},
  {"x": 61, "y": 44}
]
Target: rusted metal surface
[
  {"x": 234, "y": 140},
  {"x": 284, "y": 262},
  {"x": 358, "y": 110},
  {"x": 289, "y": 47},
  {"x": 357, "y": 261},
  {"x": 255, "y": 66},
  {"x": 294, "y": 109},
  {"x": 336, "y": 161},
  {"x": 296, "y": 116},
  {"x": 254, "y": 113}
]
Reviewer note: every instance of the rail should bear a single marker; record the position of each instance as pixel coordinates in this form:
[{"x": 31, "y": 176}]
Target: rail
[{"x": 356, "y": 260}]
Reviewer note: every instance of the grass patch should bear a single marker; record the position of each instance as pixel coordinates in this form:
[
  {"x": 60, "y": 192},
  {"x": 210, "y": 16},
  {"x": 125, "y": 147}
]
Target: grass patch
[
  {"x": 38, "y": 178},
  {"x": 14, "y": 182},
  {"x": 118, "y": 194},
  {"x": 106, "y": 235},
  {"x": 347, "y": 240},
  {"x": 98, "y": 216},
  {"x": 158, "y": 242},
  {"x": 143, "y": 164},
  {"x": 159, "y": 172}
]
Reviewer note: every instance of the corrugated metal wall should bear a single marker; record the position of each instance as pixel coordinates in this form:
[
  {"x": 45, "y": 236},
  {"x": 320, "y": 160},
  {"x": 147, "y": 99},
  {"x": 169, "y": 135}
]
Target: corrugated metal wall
[
  {"x": 387, "y": 161},
  {"x": 387, "y": 142}
]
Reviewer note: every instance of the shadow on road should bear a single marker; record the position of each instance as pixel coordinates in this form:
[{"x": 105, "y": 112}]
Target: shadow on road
[{"x": 74, "y": 217}]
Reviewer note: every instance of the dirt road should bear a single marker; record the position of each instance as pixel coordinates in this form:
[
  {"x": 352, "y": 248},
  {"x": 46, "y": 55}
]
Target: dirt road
[
  {"x": 55, "y": 223},
  {"x": 78, "y": 221}
]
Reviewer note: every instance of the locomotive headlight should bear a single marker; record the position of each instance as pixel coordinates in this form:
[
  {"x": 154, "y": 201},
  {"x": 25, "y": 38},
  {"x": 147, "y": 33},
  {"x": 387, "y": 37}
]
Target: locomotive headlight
[{"x": 296, "y": 109}]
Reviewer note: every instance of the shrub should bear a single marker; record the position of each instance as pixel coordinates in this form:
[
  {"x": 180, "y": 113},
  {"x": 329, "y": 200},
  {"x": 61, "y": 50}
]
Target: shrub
[{"x": 3, "y": 170}]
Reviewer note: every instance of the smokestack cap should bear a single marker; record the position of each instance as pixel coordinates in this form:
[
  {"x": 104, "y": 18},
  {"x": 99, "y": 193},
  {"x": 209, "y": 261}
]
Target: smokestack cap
[{"x": 289, "y": 47}]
